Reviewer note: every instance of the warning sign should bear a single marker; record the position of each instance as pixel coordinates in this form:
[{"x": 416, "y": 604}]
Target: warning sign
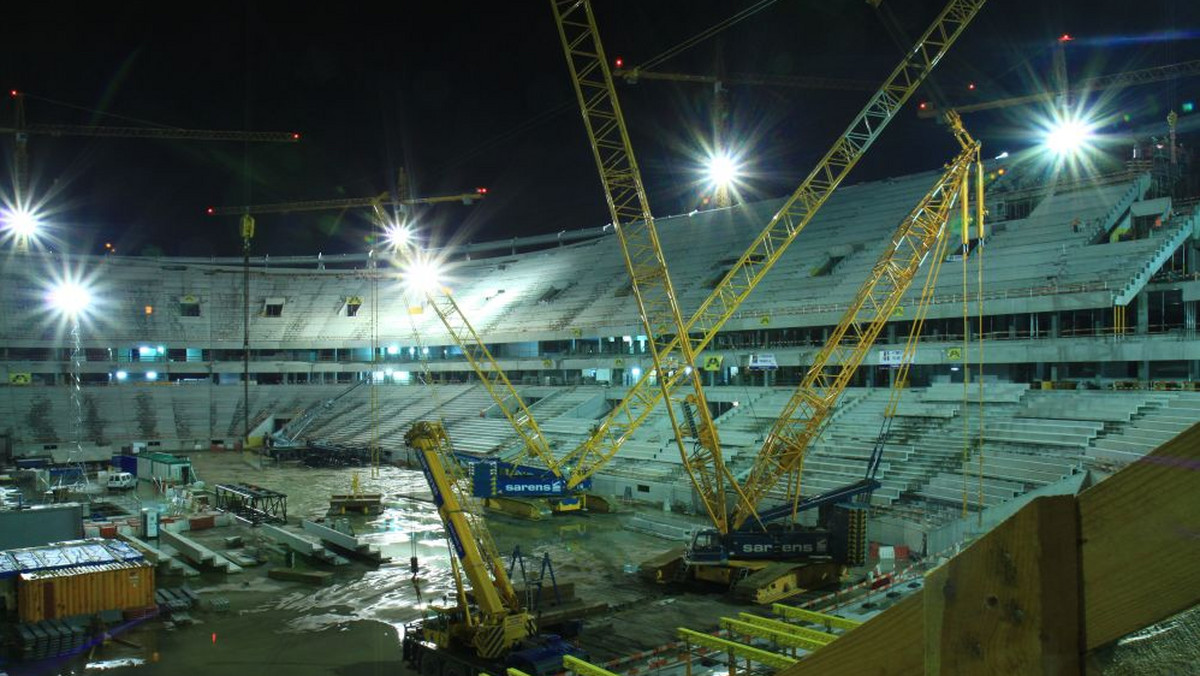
[
  {"x": 712, "y": 362},
  {"x": 20, "y": 378}
]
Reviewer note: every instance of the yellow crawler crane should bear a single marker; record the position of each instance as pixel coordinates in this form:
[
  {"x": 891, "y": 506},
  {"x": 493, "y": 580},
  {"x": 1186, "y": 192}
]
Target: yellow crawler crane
[
  {"x": 673, "y": 355},
  {"x": 756, "y": 538},
  {"x": 674, "y": 360}
]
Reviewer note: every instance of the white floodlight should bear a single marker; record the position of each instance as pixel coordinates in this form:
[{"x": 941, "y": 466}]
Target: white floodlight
[
  {"x": 122, "y": 375},
  {"x": 69, "y": 298},
  {"x": 422, "y": 274},
  {"x": 722, "y": 170},
  {"x": 151, "y": 375},
  {"x": 635, "y": 372},
  {"x": 1068, "y": 137},
  {"x": 21, "y": 223},
  {"x": 398, "y": 235}
]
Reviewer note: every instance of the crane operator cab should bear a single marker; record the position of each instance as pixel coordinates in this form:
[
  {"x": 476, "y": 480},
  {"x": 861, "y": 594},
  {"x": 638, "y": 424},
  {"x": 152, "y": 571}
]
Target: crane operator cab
[{"x": 707, "y": 548}]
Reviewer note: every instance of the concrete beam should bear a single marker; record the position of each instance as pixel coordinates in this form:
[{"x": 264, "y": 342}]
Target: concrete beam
[
  {"x": 196, "y": 552},
  {"x": 302, "y": 545},
  {"x": 347, "y": 543}
]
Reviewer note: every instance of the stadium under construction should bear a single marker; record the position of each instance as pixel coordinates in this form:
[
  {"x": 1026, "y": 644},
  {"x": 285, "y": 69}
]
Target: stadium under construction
[{"x": 920, "y": 424}]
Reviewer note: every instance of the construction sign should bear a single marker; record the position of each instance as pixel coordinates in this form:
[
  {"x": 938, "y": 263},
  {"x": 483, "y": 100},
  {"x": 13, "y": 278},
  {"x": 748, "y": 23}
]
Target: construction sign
[
  {"x": 711, "y": 362},
  {"x": 765, "y": 320},
  {"x": 20, "y": 378},
  {"x": 954, "y": 353}
]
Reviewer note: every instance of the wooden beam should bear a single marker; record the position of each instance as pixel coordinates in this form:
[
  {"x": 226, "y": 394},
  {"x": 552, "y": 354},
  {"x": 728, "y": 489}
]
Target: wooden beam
[
  {"x": 1141, "y": 542},
  {"x": 1122, "y": 555},
  {"x": 1010, "y": 602}
]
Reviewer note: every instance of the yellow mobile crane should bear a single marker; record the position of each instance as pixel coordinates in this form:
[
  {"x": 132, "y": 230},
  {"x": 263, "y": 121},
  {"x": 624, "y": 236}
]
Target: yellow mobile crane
[{"x": 491, "y": 622}]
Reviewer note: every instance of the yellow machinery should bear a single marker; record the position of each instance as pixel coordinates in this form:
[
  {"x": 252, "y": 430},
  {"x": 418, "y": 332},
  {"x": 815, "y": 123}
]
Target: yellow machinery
[
  {"x": 496, "y": 621},
  {"x": 755, "y": 536},
  {"x": 674, "y": 357}
]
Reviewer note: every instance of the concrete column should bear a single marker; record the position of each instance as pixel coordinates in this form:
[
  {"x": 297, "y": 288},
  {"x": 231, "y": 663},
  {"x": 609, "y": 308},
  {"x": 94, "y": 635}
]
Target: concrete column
[
  {"x": 1143, "y": 313},
  {"x": 1054, "y": 325},
  {"x": 891, "y": 333}
]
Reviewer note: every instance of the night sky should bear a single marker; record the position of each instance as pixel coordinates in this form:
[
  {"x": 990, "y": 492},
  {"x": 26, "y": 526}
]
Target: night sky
[{"x": 467, "y": 94}]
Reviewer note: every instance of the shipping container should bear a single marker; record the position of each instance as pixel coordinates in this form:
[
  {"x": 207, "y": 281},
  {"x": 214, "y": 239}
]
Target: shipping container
[{"x": 81, "y": 590}]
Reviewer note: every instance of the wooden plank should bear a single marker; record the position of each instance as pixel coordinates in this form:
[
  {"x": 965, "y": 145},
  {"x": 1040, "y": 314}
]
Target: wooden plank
[
  {"x": 1010, "y": 602},
  {"x": 1141, "y": 541},
  {"x": 890, "y": 643}
]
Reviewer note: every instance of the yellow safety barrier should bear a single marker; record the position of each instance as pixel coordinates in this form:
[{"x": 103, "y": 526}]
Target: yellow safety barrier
[
  {"x": 764, "y": 657},
  {"x": 572, "y": 663},
  {"x": 793, "y": 629},
  {"x": 780, "y": 637},
  {"x": 830, "y": 621}
]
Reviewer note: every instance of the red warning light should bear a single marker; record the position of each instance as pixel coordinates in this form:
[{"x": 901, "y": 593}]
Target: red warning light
[
  {"x": 214, "y": 637},
  {"x": 14, "y": 93},
  {"x": 619, "y": 62},
  {"x": 481, "y": 191},
  {"x": 295, "y": 136},
  {"x": 1065, "y": 37},
  {"x": 210, "y": 211},
  {"x": 924, "y": 105},
  {"x": 971, "y": 87}
]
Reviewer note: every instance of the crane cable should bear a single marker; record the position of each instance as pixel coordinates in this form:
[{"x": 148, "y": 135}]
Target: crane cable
[
  {"x": 966, "y": 341},
  {"x": 980, "y": 212},
  {"x": 706, "y": 33},
  {"x": 374, "y": 272}
]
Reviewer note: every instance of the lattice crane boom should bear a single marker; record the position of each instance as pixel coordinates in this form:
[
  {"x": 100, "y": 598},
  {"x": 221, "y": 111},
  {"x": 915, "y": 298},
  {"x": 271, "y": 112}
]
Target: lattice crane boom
[
  {"x": 344, "y": 203},
  {"x": 808, "y": 410},
  {"x": 494, "y": 380},
  {"x": 778, "y": 234},
  {"x": 634, "y": 75},
  {"x": 644, "y": 259},
  {"x": 1108, "y": 83},
  {"x": 105, "y": 131}
]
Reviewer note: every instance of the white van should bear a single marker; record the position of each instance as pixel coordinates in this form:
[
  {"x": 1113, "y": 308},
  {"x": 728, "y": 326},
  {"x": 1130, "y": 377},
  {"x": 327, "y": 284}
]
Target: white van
[{"x": 121, "y": 481}]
